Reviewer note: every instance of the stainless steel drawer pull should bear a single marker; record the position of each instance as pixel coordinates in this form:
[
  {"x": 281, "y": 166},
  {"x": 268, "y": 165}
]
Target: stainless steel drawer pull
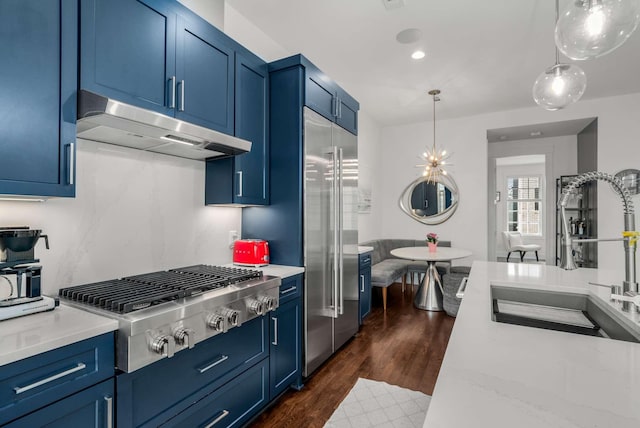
[
  {"x": 21, "y": 389},
  {"x": 223, "y": 415},
  {"x": 172, "y": 103},
  {"x": 181, "y": 96},
  {"x": 240, "y": 184},
  {"x": 109, "y": 401},
  {"x": 288, "y": 290},
  {"x": 362, "y": 283},
  {"x": 275, "y": 331},
  {"x": 72, "y": 163},
  {"x": 215, "y": 363},
  {"x": 462, "y": 288}
]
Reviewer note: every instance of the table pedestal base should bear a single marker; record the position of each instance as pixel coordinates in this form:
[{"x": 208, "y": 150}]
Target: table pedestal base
[{"x": 429, "y": 295}]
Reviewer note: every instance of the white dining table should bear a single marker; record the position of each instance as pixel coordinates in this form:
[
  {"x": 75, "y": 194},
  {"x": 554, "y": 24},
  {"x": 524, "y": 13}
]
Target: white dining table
[{"x": 430, "y": 293}]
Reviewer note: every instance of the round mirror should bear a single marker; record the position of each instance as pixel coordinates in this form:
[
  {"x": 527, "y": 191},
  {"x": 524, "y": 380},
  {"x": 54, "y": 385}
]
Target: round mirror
[{"x": 430, "y": 201}]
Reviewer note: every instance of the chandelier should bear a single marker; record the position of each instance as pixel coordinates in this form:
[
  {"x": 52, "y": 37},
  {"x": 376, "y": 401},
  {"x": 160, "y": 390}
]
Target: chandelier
[{"x": 434, "y": 158}]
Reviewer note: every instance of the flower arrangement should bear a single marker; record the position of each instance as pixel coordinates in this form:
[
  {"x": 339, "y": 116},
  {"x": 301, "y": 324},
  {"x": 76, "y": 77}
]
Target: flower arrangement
[{"x": 432, "y": 238}]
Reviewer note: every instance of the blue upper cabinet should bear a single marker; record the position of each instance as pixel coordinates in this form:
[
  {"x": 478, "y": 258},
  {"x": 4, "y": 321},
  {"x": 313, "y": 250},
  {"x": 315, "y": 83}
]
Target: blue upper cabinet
[
  {"x": 158, "y": 55},
  {"x": 244, "y": 179},
  {"x": 38, "y": 98},
  {"x": 204, "y": 76},
  {"x": 127, "y": 51},
  {"x": 323, "y": 95},
  {"x": 320, "y": 93}
]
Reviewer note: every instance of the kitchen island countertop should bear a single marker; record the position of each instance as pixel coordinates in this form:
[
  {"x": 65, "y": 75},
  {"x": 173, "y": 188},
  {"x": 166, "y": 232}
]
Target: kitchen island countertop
[
  {"x": 37, "y": 333},
  {"x": 502, "y": 375}
]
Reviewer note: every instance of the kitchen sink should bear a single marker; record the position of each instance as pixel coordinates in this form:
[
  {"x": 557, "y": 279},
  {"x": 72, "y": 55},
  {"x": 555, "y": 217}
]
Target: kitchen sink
[{"x": 560, "y": 311}]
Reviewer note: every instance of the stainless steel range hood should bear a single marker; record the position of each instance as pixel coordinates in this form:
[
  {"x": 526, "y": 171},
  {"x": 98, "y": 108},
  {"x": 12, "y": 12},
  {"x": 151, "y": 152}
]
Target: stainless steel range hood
[{"x": 109, "y": 121}]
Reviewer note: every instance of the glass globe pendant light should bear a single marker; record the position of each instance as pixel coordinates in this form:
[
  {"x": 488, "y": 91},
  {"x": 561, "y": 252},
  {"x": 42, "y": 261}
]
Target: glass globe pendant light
[
  {"x": 559, "y": 85},
  {"x": 592, "y": 28}
]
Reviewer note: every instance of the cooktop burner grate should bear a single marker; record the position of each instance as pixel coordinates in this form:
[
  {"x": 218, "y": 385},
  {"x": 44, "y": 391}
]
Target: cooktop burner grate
[
  {"x": 231, "y": 275},
  {"x": 141, "y": 291}
]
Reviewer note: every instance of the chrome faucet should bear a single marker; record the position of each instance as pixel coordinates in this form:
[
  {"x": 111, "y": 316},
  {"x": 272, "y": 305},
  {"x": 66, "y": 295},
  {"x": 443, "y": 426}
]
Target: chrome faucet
[{"x": 629, "y": 235}]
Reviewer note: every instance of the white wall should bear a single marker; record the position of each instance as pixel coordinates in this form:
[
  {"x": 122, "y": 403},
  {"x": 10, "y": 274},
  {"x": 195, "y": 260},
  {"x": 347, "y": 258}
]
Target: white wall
[
  {"x": 134, "y": 212},
  {"x": 618, "y": 148}
]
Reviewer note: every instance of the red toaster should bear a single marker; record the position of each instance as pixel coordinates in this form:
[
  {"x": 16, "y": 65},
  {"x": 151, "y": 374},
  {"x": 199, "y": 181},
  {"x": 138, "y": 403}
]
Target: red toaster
[{"x": 251, "y": 252}]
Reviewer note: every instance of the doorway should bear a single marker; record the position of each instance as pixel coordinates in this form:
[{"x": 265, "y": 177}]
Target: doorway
[
  {"x": 520, "y": 203},
  {"x": 553, "y": 147}
]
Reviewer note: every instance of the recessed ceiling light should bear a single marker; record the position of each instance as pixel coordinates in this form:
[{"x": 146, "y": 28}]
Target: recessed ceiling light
[
  {"x": 503, "y": 137},
  {"x": 418, "y": 54},
  {"x": 536, "y": 133},
  {"x": 410, "y": 35}
]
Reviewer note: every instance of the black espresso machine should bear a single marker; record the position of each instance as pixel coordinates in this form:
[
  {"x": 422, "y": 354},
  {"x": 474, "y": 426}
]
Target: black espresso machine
[{"x": 19, "y": 270}]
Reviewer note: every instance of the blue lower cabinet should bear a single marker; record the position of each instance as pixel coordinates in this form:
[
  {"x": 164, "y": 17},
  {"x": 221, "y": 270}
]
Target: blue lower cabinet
[
  {"x": 154, "y": 394},
  {"x": 93, "y": 407},
  {"x": 232, "y": 404},
  {"x": 35, "y": 382},
  {"x": 285, "y": 352},
  {"x": 364, "y": 278}
]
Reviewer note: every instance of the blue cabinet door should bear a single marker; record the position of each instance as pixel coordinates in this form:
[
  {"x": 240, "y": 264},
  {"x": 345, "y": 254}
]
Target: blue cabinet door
[
  {"x": 232, "y": 405},
  {"x": 252, "y": 97},
  {"x": 320, "y": 93},
  {"x": 127, "y": 51},
  {"x": 93, "y": 407},
  {"x": 244, "y": 179},
  {"x": 285, "y": 356},
  {"x": 38, "y": 97},
  {"x": 364, "y": 276},
  {"x": 347, "y": 114},
  {"x": 205, "y": 77}
]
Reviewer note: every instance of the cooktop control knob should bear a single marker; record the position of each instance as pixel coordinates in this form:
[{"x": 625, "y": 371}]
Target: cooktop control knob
[
  {"x": 255, "y": 306},
  {"x": 216, "y": 322},
  {"x": 185, "y": 337},
  {"x": 232, "y": 316},
  {"x": 268, "y": 302},
  {"x": 164, "y": 345}
]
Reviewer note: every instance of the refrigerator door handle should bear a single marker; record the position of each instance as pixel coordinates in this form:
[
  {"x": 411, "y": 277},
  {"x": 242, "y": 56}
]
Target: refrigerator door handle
[
  {"x": 336, "y": 235},
  {"x": 340, "y": 226}
]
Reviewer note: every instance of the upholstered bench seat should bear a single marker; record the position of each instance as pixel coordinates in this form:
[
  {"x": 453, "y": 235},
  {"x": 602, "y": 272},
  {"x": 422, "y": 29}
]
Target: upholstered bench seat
[{"x": 387, "y": 271}]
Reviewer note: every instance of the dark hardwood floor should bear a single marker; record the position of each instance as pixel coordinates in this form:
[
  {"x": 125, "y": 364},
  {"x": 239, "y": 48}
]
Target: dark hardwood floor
[{"x": 403, "y": 347}]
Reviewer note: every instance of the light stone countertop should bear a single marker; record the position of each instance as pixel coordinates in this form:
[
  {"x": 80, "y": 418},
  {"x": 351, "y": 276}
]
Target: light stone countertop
[
  {"x": 501, "y": 375},
  {"x": 274, "y": 270},
  {"x": 37, "y": 333},
  {"x": 363, "y": 249}
]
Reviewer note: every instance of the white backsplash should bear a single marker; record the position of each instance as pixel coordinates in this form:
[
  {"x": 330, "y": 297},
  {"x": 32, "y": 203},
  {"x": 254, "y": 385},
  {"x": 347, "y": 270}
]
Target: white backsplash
[{"x": 134, "y": 212}]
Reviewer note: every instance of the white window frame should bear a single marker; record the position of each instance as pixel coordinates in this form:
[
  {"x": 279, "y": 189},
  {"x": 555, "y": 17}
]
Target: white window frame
[{"x": 539, "y": 200}]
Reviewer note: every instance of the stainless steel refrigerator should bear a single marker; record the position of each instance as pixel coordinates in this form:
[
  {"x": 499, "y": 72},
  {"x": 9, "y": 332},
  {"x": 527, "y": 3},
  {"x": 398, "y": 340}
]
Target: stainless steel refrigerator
[{"x": 330, "y": 238}]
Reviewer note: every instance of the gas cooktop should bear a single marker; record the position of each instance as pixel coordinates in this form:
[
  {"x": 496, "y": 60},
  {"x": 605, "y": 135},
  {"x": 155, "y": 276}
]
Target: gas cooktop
[{"x": 161, "y": 313}]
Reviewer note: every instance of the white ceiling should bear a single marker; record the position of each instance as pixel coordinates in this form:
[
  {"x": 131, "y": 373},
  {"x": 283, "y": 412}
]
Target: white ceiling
[
  {"x": 483, "y": 55},
  {"x": 539, "y": 130}
]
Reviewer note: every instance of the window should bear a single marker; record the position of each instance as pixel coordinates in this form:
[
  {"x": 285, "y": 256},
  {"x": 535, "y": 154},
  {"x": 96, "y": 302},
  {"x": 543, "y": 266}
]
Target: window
[{"x": 524, "y": 205}]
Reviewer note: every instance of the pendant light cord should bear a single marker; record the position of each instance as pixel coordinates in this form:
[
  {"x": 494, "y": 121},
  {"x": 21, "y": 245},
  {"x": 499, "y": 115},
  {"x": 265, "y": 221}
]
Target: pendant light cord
[
  {"x": 557, "y": 51},
  {"x": 434, "y": 124}
]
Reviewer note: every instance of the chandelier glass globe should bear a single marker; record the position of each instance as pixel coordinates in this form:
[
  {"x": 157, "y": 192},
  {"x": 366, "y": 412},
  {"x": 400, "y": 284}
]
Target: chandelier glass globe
[
  {"x": 591, "y": 28},
  {"x": 559, "y": 86}
]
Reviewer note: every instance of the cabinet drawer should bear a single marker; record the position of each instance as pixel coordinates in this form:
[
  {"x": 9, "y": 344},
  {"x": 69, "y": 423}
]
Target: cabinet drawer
[
  {"x": 365, "y": 260},
  {"x": 231, "y": 405},
  {"x": 290, "y": 288},
  {"x": 34, "y": 382},
  {"x": 156, "y": 393},
  {"x": 93, "y": 407}
]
